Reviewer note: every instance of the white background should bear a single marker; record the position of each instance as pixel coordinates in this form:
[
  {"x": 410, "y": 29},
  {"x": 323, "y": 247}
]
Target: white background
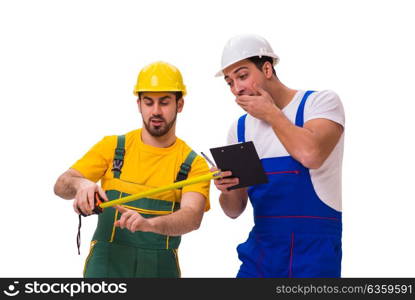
[{"x": 67, "y": 70}]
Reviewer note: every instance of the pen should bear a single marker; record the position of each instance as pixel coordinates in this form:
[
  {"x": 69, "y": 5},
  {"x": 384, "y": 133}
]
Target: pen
[{"x": 207, "y": 158}]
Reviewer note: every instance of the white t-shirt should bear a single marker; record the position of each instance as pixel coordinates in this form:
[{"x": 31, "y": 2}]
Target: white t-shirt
[{"x": 327, "y": 180}]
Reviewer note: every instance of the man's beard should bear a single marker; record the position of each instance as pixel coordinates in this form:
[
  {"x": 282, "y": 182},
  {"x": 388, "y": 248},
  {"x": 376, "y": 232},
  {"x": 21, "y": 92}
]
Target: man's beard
[{"x": 162, "y": 129}]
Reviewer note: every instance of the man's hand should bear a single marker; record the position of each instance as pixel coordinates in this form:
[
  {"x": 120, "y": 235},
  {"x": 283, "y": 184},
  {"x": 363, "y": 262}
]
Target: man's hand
[
  {"x": 232, "y": 202},
  {"x": 131, "y": 220},
  {"x": 84, "y": 201},
  {"x": 222, "y": 184},
  {"x": 260, "y": 106}
]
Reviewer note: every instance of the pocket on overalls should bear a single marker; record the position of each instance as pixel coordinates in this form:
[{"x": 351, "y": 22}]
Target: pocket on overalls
[
  {"x": 251, "y": 254},
  {"x": 91, "y": 251},
  {"x": 317, "y": 256},
  {"x": 280, "y": 184},
  {"x": 176, "y": 257}
]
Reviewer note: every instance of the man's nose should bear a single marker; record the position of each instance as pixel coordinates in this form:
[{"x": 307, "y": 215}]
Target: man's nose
[
  {"x": 156, "y": 109},
  {"x": 238, "y": 88}
]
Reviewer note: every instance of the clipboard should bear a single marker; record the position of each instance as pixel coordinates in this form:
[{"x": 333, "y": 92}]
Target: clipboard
[{"x": 243, "y": 160}]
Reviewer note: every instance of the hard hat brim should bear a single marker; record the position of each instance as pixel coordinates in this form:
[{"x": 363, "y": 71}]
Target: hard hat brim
[
  {"x": 160, "y": 91},
  {"x": 275, "y": 58}
]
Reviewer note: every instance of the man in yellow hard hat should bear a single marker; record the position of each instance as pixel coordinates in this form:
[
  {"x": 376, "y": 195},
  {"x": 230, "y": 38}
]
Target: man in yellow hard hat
[{"x": 141, "y": 238}]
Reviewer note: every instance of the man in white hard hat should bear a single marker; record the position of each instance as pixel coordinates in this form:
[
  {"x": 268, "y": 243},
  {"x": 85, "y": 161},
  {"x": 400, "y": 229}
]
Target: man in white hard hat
[{"x": 299, "y": 138}]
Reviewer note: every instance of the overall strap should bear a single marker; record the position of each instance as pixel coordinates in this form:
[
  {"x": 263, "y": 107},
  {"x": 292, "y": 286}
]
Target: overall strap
[
  {"x": 116, "y": 169},
  {"x": 299, "y": 118},
  {"x": 119, "y": 153},
  {"x": 241, "y": 129},
  {"x": 182, "y": 175},
  {"x": 186, "y": 166}
]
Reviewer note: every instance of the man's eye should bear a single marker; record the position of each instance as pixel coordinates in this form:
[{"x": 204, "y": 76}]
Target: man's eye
[
  {"x": 148, "y": 103},
  {"x": 243, "y": 76},
  {"x": 229, "y": 83}
]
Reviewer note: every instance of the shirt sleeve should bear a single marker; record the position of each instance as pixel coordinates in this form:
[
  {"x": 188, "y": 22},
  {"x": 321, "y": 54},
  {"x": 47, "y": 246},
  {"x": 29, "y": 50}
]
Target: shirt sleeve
[
  {"x": 232, "y": 135},
  {"x": 96, "y": 161},
  {"x": 326, "y": 105},
  {"x": 199, "y": 168}
]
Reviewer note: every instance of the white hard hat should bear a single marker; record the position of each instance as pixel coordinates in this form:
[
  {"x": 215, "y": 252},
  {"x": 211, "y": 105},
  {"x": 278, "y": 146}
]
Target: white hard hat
[{"x": 243, "y": 46}]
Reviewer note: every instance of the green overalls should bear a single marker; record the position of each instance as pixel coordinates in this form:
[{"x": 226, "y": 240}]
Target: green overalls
[{"x": 116, "y": 252}]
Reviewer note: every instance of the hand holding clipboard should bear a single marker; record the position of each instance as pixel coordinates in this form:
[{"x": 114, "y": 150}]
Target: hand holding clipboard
[{"x": 243, "y": 161}]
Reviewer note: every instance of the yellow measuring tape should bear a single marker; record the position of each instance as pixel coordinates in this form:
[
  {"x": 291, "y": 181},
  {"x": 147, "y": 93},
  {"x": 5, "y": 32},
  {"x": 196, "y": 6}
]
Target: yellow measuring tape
[
  {"x": 98, "y": 208},
  {"x": 176, "y": 185}
]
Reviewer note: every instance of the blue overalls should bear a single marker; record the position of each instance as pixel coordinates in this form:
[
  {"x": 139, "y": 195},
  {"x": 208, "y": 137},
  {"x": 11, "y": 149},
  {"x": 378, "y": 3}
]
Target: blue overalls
[{"x": 295, "y": 233}]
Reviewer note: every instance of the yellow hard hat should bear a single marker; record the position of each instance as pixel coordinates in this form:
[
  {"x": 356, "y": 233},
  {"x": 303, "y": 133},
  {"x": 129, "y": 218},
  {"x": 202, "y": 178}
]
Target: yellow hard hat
[{"x": 160, "y": 77}]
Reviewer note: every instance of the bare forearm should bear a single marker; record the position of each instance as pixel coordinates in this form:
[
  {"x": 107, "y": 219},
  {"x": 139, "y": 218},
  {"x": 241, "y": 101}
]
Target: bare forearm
[
  {"x": 180, "y": 222},
  {"x": 67, "y": 185},
  {"x": 234, "y": 202},
  {"x": 298, "y": 141}
]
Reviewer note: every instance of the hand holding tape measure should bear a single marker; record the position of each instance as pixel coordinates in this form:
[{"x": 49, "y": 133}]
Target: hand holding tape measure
[
  {"x": 241, "y": 159},
  {"x": 100, "y": 203}
]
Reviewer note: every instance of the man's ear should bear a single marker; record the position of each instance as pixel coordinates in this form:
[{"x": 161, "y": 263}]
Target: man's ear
[
  {"x": 180, "y": 104},
  {"x": 267, "y": 69}
]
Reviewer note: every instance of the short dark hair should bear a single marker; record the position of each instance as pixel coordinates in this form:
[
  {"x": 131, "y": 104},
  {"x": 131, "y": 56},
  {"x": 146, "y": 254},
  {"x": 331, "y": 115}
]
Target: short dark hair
[
  {"x": 260, "y": 61},
  {"x": 178, "y": 95}
]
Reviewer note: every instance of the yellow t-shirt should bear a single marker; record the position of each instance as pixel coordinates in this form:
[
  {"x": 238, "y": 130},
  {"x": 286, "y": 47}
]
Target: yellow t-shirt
[{"x": 145, "y": 167}]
